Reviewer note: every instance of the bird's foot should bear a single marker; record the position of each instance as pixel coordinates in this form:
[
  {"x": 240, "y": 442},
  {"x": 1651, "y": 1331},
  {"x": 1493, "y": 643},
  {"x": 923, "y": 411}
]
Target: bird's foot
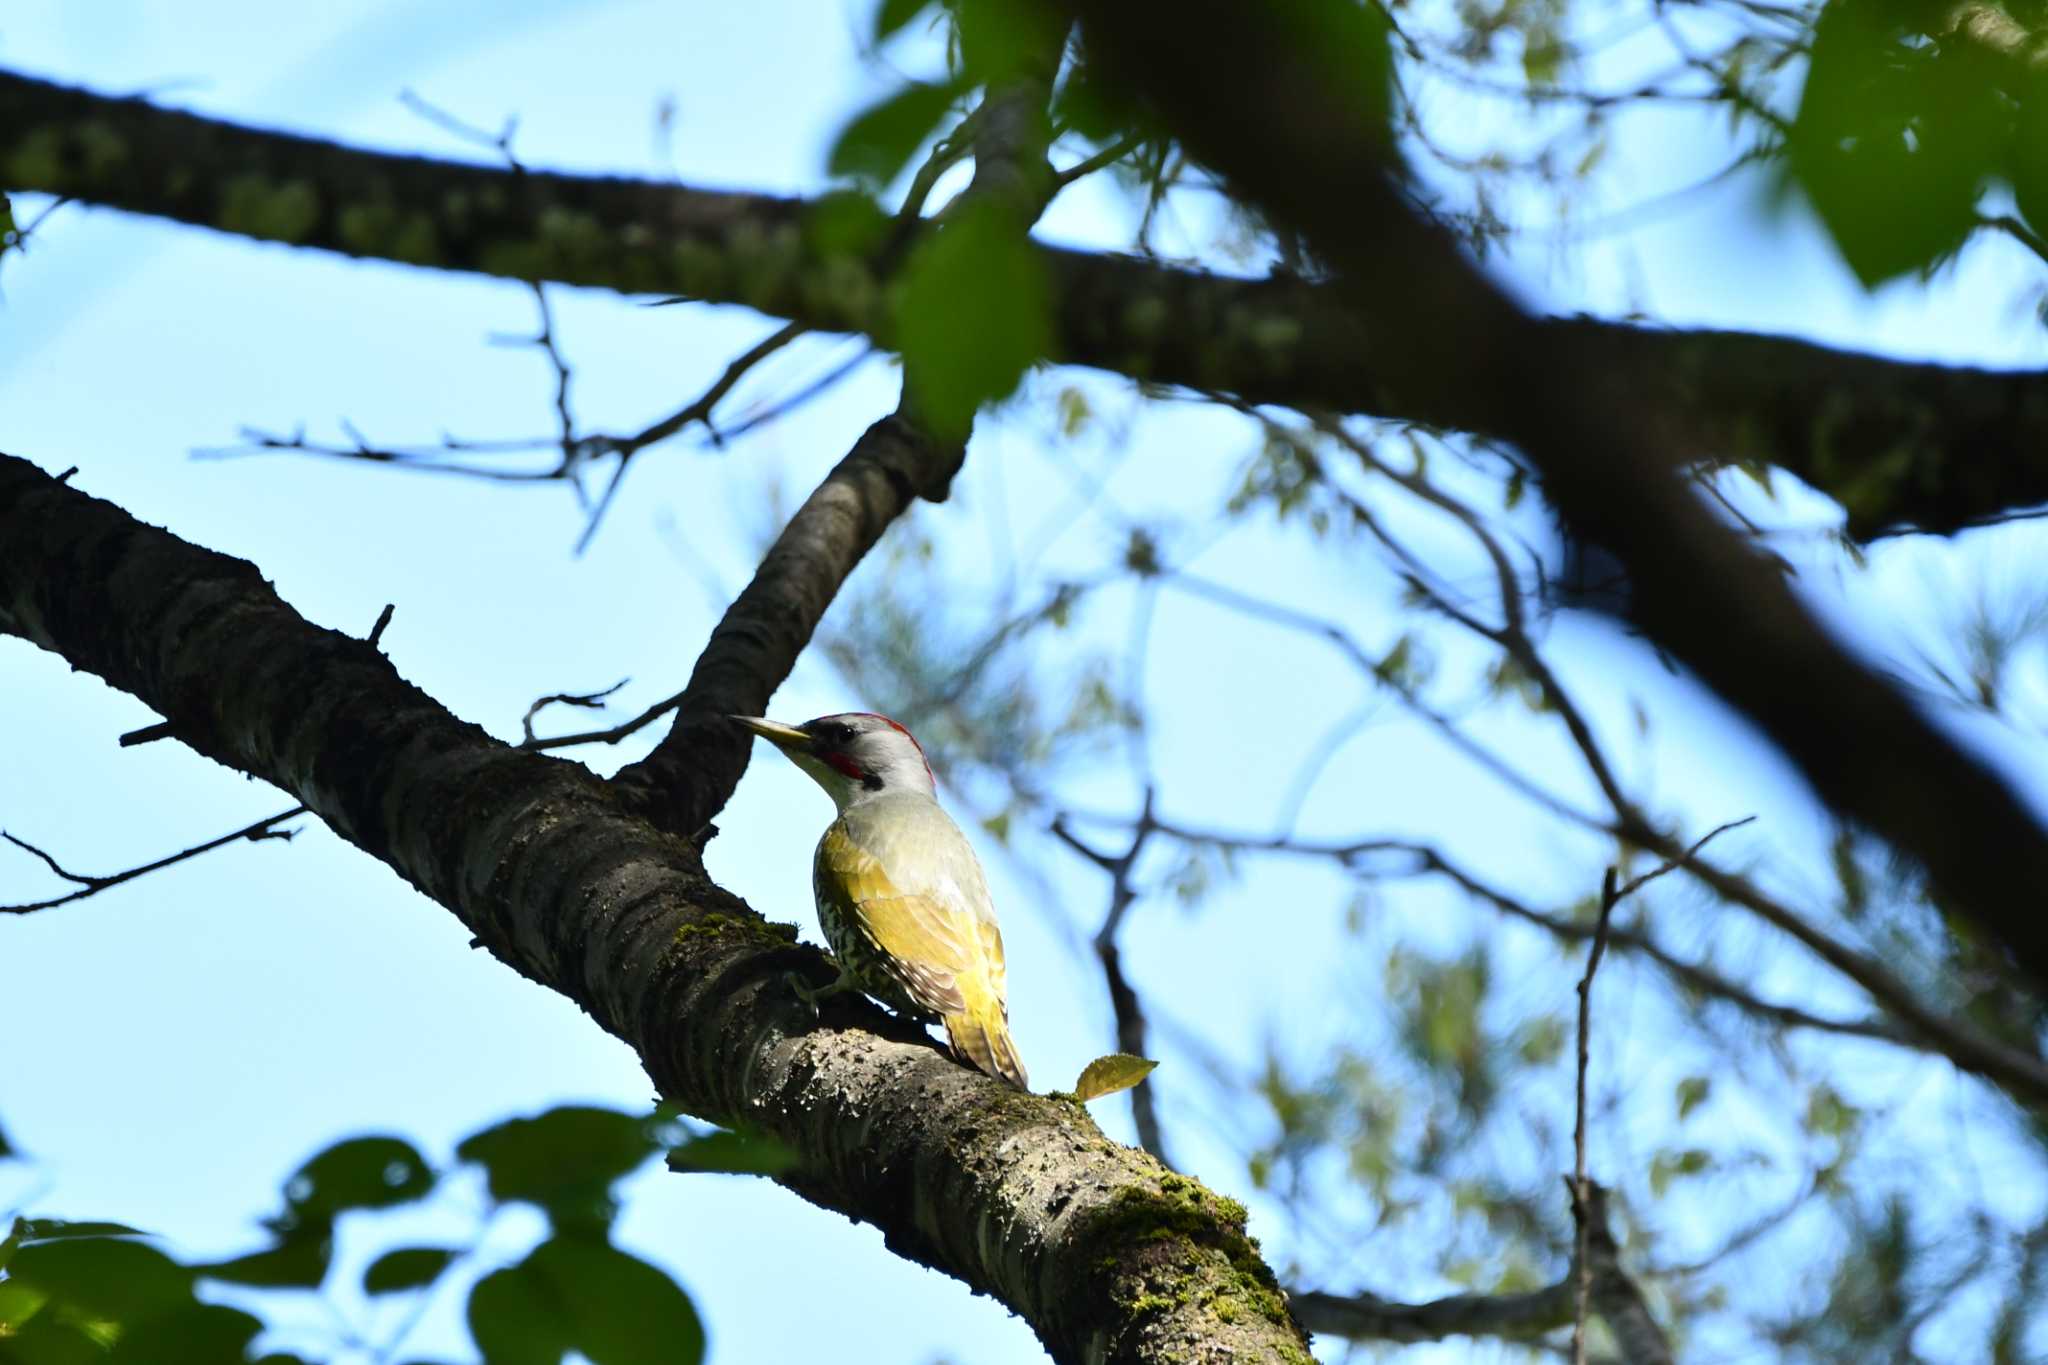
[{"x": 810, "y": 994}]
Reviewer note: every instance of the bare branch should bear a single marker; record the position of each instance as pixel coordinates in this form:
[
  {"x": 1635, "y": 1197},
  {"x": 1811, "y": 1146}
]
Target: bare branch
[
  {"x": 90, "y": 885},
  {"x": 1299, "y": 138}
]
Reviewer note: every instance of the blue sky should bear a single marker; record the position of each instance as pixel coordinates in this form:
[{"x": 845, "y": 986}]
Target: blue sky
[{"x": 178, "y": 1046}]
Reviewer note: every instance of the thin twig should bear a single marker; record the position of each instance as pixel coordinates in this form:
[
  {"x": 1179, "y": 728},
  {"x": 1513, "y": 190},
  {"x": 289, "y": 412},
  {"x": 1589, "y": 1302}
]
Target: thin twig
[
  {"x": 593, "y": 701},
  {"x": 1581, "y": 1193},
  {"x": 91, "y": 885}
]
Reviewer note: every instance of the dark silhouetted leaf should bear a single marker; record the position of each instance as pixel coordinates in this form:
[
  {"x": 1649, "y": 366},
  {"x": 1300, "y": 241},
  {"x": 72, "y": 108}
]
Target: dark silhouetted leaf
[
  {"x": 622, "y": 1310},
  {"x": 892, "y": 15},
  {"x": 406, "y": 1268},
  {"x": 564, "y": 1160},
  {"x": 1108, "y": 1075},
  {"x": 104, "y": 1276},
  {"x": 208, "y": 1332},
  {"x": 297, "y": 1262},
  {"x": 881, "y": 138},
  {"x": 44, "y": 1340},
  {"x": 1893, "y": 141},
  {"x": 33, "y": 1230},
  {"x": 734, "y": 1153},
  {"x": 517, "y": 1319},
  {"x": 972, "y": 317},
  {"x": 361, "y": 1173}
]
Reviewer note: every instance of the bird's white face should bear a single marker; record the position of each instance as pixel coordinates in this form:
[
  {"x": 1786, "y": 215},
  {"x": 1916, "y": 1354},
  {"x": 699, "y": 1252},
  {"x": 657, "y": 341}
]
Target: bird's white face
[{"x": 852, "y": 756}]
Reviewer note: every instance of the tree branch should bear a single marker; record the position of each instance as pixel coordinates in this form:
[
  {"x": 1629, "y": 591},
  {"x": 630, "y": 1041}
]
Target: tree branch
[
  {"x": 548, "y": 871},
  {"x": 1368, "y": 1317},
  {"x": 1898, "y": 444},
  {"x": 1263, "y": 95}
]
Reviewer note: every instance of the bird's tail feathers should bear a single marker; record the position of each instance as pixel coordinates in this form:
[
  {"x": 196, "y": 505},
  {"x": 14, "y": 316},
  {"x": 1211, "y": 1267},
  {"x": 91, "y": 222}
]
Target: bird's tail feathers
[{"x": 980, "y": 1034}]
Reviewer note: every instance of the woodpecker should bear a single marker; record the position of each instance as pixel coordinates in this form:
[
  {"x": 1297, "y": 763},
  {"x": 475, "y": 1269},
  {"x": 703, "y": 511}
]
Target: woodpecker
[{"x": 900, "y": 894}]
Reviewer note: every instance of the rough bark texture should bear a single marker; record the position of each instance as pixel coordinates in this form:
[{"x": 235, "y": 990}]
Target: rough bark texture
[
  {"x": 690, "y": 775},
  {"x": 1898, "y": 444},
  {"x": 1109, "y": 1256}
]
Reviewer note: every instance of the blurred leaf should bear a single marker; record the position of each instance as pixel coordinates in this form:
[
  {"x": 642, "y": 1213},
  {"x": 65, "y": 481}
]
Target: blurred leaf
[
  {"x": 33, "y": 1230},
  {"x": 18, "y": 1303},
  {"x": 200, "y": 1332},
  {"x": 999, "y": 37},
  {"x": 1109, "y": 1075},
  {"x": 845, "y": 223},
  {"x": 6, "y": 1148},
  {"x": 735, "y": 1154},
  {"x": 564, "y": 1160},
  {"x": 625, "y": 1311},
  {"x": 45, "y": 1341},
  {"x": 877, "y": 143},
  {"x": 972, "y": 316},
  {"x": 517, "y": 1318},
  {"x": 893, "y": 15},
  {"x": 406, "y": 1268},
  {"x": 104, "y": 1276},
  {"x": 1828, "y": 1114},
  {"x": 1666, "y": 1167},
  {"x": 1894, "y": 139},
  {"x": 1692, "y": 1093},
  {"x": 297, "y": 1262},
  {"x": 361, "y": 1173},
  {"x": 577, "y": 1294}
]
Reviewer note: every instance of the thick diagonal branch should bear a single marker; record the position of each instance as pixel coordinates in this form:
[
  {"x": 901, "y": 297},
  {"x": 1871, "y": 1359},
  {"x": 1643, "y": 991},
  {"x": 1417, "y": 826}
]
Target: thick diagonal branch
[
  {"x": 1898, "y": 444},
  {"x": 1108, "y": 1256},
  {"x": 1265, "y": 96}
]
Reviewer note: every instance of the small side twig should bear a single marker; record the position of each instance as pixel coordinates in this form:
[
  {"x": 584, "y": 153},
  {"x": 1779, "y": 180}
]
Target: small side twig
[
  {"x": 591, "y": 701},
  {"x": 1123, "y": 1000},
  {"x": 91, "y": 885},
  {"x": 1581, "y": 1187}
]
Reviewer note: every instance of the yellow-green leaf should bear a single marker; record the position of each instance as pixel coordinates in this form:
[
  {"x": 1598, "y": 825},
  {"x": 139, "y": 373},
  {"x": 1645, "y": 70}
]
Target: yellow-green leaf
[{"x": 1108, "y": 1075}]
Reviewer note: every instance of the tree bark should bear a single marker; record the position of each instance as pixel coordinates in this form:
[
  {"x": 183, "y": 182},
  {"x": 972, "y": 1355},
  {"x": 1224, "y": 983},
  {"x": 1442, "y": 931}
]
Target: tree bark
[
  {"x": 1109, "y": 1256},
  {"x": 1898, "y": 444}
]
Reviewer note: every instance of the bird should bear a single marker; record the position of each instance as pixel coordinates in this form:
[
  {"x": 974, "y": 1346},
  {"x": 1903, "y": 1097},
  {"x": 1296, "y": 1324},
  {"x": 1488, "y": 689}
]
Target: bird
[{"x": 900, "y": 894}]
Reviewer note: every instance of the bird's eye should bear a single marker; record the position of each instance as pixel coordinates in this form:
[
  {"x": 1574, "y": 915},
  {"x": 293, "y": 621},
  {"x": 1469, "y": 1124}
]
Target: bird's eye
[{"x": 842, "y": 734}]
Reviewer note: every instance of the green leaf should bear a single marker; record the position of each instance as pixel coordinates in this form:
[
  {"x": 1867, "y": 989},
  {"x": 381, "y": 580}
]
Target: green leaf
[
  {"x": 1894, "y": 140},
  {"x": 891, "y": 16},
  {"x": 18, "y": 1303},
  {"x": 623, "y": 1311},
  {"x": 196, "y": 1332},
  {"x": 1666, "y": 1167},
  {"x": 881, "y": 139},
  {"x": 734, "y": 1153},
  {"x": 6, "y": 1148},
  {"x": 564, "y": 1160},
  {"x": 33, "y": 1230},
  {"x": 407, "y": 1268},
  {"x": 296, "y": 1262},
  {"x": 104, "y": 1276},
  {"x": 1000, "y": 38},
  {"x": 573, "y": 1293},
  {"x": 518, "y": 1319},
  {"x": 1692, "y": 1093},
  {"x": 972, "y": 316},
  {"x": 44, "y": 1340},
  {"x": 1108, "y": 1075},
  {"x": 361, "y": 1173}
]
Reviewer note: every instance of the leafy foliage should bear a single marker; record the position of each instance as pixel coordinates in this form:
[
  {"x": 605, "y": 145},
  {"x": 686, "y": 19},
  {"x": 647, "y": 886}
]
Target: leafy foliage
[{"x": 73, "y": 1293}]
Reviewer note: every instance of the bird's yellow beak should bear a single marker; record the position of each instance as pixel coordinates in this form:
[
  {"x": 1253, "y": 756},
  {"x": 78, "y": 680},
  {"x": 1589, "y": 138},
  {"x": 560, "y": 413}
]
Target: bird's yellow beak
[{"x": 783, "y": 737}]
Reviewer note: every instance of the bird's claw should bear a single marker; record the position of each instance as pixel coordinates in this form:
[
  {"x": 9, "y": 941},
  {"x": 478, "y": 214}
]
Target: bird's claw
[{"x": 810, "y": 994}]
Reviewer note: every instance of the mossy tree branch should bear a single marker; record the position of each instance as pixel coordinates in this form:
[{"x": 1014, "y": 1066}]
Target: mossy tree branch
[
  {"x": 1108, "y": 1256},
  {"x": 1897, "y": 444}
]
